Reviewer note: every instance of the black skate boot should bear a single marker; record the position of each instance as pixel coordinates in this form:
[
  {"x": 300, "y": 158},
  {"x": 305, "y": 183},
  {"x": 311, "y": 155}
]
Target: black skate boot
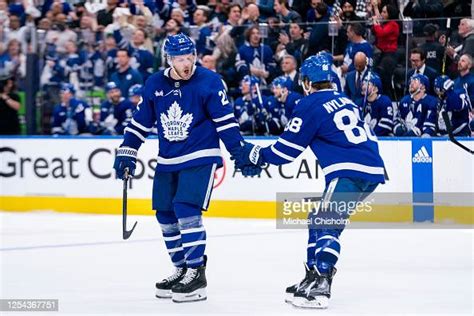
[
  {"x": 291, "y": 290},
  {"x": 163, "y": 288},
  {"x": 192, "y": 287},
  {"x": 316, "y": 292}
]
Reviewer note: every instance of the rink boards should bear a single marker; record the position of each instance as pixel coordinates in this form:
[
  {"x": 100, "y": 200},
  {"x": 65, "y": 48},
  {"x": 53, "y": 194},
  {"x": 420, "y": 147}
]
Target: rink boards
[{"x": 429, "y": 180}]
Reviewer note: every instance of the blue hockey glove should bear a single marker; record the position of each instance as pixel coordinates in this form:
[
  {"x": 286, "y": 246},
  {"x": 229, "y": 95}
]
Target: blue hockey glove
[
  {"x": 126, "y": 158},
  {"x": 247, "y": 154}
]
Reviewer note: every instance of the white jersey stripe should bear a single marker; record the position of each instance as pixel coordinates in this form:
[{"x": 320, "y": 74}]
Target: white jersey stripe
[
  {"x": 140, "y": 126},
  {"x": 353, "y": 167},
  {"x": 136, "y": 133},
  {"x": 282, "y": 155},
  {"x": 290, "y": 144},
  {"x": 227, "y": 126},
  {"x": 224, "y": 118}
]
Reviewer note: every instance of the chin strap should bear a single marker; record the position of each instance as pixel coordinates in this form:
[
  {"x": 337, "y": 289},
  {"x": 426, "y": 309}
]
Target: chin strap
[
  {"x": 412, "y": 95},
  {"x": 306, "y": 90},
  {"x": 283, "y": 96}
]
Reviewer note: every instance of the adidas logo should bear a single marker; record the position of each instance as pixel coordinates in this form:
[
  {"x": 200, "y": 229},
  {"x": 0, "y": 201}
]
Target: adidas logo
[{"x": 422, "y": 156}]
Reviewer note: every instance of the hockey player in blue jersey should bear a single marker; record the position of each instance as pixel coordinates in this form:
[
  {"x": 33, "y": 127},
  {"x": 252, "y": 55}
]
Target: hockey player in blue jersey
[
  {"x": 377, "y": 109},
  {"x": 328, "y": 122},
  {"x": 115, "y": 112},
  {"x": 254, "y": 111},
  {"x": 72, "y": 116},
  {"x": 456, "y": 103},
  {"x": 193, "y": 113},
  {"x": 417, "y": 112},
  {"x": 286, "y": 99},
  {"x": 135, "y": 93}
]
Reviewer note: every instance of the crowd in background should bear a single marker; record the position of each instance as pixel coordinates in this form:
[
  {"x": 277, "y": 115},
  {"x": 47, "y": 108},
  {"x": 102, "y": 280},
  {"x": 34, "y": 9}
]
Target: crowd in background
[{"x": 106, "y": 50}]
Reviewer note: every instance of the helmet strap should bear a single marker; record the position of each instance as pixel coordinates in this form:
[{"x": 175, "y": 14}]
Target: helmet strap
[
  {"x": 307, "y": 87},
  {"x": 283, "y": 95}
]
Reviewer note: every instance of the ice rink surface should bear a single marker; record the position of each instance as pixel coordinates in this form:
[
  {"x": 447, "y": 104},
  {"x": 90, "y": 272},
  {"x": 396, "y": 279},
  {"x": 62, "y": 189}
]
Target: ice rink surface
[{"x": 82, "y": 261}]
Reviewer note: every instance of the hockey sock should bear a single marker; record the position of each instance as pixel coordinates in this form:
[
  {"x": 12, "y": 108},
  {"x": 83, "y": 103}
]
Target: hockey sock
[
  {"x": 171, "y": 235},
  {"x": 327, "y": 249},
  {"x": 193, "y": 234}
]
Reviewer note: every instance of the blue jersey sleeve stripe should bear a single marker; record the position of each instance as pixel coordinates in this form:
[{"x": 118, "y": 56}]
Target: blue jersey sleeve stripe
[
  {"x": 381, "y": 125},
  {"x": 227, "y": 126},
  {"x": 224, "y": 118},
  {"x": 290, "y": 144},
  {"x": 140, "y": 126},
  {"x": 386, "y": 120},
  {"x": 134, "y": 132}
]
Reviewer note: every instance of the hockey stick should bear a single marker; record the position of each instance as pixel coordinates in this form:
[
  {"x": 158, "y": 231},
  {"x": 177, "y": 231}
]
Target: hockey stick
[
  {"x": 126, "y": 233},
  {"x": 448, "y": 31},
  {"x": 449, "y": 129}
]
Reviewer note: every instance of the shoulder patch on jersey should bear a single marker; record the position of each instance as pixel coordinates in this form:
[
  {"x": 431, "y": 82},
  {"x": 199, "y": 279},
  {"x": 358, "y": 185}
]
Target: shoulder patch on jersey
[{"x": 175, "y": 124}]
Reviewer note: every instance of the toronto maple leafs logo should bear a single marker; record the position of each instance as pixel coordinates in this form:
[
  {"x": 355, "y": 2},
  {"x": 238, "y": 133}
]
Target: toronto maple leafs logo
[{"x": 175, "y": 124}]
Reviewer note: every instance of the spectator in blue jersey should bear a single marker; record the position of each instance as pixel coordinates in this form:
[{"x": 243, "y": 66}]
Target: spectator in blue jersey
[
  {"x": 455, "y": 103},
  {"x": 286, "y": 99},
  {"x": 200, "y": 19},
  {"x": 417, "y": 112},
  {"x": 72, "y": 116},
  {"x": 357, "y": 43},
  {"x": 376, "y": 108},
  {"x": 143, "y": 58},
  {"x": 318, "y": 38},
  {"x": 254, "y": 57},
  {"x": 125, "y": 76},
  {"x": 193, "y": 114},
  {"x": 355, "y": 78},
  {"x": 465, "y": 81},
  {"x": 115, "y": 112},
  {"x": 324, "y": 120},
  {"x": 111, "y": 49}
]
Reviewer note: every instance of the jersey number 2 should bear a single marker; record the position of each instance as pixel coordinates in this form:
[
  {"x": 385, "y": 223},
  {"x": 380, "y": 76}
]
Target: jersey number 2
[
  {"x": 223, "y": 96},
  {"x": 355, "y": 134}
]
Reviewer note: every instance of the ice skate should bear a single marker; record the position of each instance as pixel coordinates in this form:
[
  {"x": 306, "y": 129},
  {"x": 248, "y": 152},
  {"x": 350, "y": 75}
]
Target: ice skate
[
  {"x": 291, "y": 290},
  {"x": 163, "y": 288},
  {"x": 316, "y": 292},
  {"x": 192, "y": 287}
]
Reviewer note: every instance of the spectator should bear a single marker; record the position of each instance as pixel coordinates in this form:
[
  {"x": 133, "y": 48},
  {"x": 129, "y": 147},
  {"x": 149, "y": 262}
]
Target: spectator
[
  {"x": 294, "y": 44},
  {"x": 172, "y": 27},
  {"x": 356, "y": 77},
  {"x": 111, "y": 50},
  {"x": 466, "y": 32},
  {"x": 255, "y": 58},
  {"x": 142, "y": 57},
  {"x": 386, "y": 32},
  {"x": 346, "y": 17},
  {"x": 319, "y": 39},
  {"x": 16, "y": 31},
  {"x": 417, "y": 112},
  {"x": 60, "y": 34},
  {"x": 433, "y": 50},
  {"x": 9, "y": 106},
  {"x": 284, "y": 13},
  {"x": 377, "y": 110},
  {"x": 465, "y": 81},
  {"x": 357, "y": 43},
  {"x": 115, "y": 112},
  {"x": 266, "y": 8},
  {"x": 125, "y": 76},
  {"x": 13, "y": 60},
  {"x": 234, "y": 17},
  {"x": 250, "y": 16},
  {"x": 289, "y": 67},
  {"x": 72, "y": 116},
  {"x": 417, "y": 59},
  {"x": 106, "y": 16},
  {"x": 421, "y": 9},
  {"x": 200, "y": 18}
]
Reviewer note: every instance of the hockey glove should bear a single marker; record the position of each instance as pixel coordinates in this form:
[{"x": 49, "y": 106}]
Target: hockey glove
[
  {"x": 247, "y": 154},
  {"x": 126, "y": 158}
]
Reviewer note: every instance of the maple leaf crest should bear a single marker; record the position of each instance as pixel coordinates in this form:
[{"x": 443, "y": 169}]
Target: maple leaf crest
[{"x": 175, "y": 124}]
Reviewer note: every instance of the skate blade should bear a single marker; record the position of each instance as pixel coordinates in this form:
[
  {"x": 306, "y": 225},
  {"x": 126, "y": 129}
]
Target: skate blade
[
  {"x": 198, "y": 295},
  {"x": 289, "y": 297},
  {"x": 319, "y": 302},
  {"x": 164, "y": 294}
]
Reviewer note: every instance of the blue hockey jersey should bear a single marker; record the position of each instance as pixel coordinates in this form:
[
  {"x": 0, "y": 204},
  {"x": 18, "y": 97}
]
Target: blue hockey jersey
[
  {"x": 329, "y": 122},
  {"x": 252, "y": 56},
  {"x": 258, "y": 119},
  {"x": 378, "y": 114},
  {"x": 352, "y": 49},
  {"x": 115, "y": 117},
  {"x": 73, "y": 119},
  {"x": 192, "y": 116},
  {"x": 288, "y": 106},
  {"x": 419, "y": 117},
  {"x": 466, "y": 83},
  {"x": 457, "y": 104}
]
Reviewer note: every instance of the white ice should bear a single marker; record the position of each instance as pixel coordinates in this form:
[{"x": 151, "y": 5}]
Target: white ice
[{"x": 82, "y": 261}]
